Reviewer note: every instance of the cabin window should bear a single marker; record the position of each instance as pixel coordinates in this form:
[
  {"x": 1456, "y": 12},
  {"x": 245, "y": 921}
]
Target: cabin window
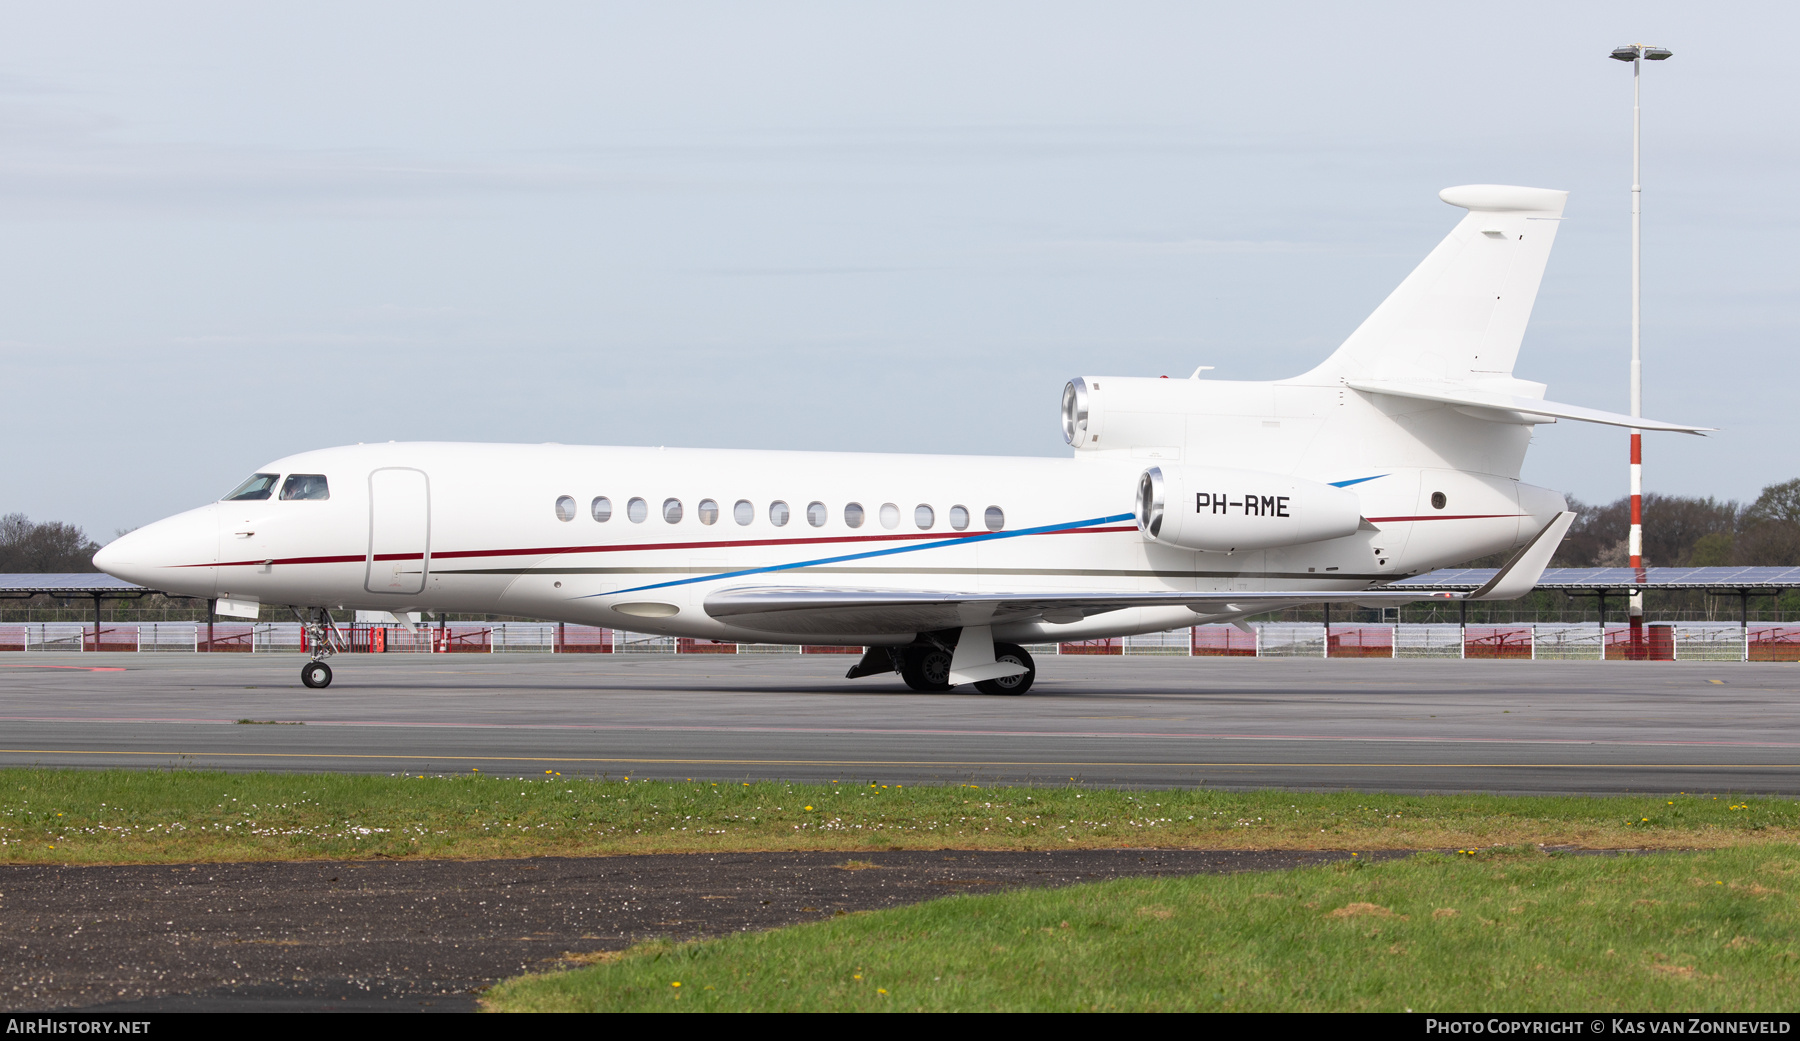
[
  {"x": 708, "y": 512},
  {"x": 924, "y": 517},
  {"x": 995, "y": 518},
  {"x": 778, "y": 513},
  {"x": 959, "y": 517},
  {"x": 672, "y": 511},
  {"x": 601, "y": 508},
  {"x": 305, "y": 486},
  {"x": 1438, "y": 501},
  {"x": 853, "y": 515},
  {"x": 890, "y": 515},
  {"x": 743, "y": 512},
  {"x": 816, "y": 514},
  {"x": 257, "y": 487},
  {"x": 565, "y": 507},
  {"x": 636, "y": 510}
]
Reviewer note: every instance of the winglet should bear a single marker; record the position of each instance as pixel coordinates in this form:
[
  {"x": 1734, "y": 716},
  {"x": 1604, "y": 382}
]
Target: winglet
[{"x": 1522, "y": 572}]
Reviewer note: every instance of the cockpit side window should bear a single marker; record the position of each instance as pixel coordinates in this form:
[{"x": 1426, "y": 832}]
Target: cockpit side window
[
  {"x": 257, "y": 487},
  {"x": 305, "y": 486}
]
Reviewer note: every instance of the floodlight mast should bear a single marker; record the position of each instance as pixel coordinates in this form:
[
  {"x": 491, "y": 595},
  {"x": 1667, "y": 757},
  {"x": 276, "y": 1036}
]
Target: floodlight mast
[{"x": 1636, "y": 54}]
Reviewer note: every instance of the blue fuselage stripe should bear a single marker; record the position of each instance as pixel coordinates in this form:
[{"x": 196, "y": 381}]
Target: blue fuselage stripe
[
  {"x": 799, "y": 564},
  {"x": 1357, "y": 480}
]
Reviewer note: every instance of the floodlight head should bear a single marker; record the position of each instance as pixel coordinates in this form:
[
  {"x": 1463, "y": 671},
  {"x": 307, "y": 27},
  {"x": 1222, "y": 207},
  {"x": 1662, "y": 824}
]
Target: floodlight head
[
  {"x": 1657, "y": 53},
  {"x": 1625, "y": 53}
]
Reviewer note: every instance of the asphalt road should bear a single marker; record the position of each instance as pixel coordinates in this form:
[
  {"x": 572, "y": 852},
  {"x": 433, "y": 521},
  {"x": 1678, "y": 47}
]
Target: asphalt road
[{"x": 1238, "y": 723}]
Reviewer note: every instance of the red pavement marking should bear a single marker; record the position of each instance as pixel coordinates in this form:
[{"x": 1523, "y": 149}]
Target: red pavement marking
[{"x": 78, "y": 668}]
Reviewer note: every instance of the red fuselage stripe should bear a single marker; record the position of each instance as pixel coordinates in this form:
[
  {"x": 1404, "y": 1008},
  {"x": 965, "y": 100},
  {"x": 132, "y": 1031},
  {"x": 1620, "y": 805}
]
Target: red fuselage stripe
[{"x": 627, "y": 548}]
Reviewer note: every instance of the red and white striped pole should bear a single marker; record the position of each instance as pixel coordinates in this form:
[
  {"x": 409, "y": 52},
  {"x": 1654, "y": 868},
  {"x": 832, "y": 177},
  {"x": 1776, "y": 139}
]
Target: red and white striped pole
[
  {"x": 1636, "y": 600},
  {"x": 1635, "y": 54}
]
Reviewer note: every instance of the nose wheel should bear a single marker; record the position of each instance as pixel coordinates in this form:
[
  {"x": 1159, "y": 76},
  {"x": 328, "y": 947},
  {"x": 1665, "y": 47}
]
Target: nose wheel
[{"x": 323, "y": 640}]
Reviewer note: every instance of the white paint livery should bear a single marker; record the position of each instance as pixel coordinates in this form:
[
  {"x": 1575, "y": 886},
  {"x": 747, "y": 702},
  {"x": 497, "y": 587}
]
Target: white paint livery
[
  {"x": 1398, "y": 454},
  {"x": 1224, "y": 511}
]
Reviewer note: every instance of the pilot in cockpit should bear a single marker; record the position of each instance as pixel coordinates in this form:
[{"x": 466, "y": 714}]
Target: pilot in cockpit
[{"x": 305, "y": 486}]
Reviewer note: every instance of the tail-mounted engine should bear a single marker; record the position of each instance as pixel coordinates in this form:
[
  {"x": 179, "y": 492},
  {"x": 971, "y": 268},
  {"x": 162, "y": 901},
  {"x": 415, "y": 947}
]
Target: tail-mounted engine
[{"x": 1223, "y": 511}]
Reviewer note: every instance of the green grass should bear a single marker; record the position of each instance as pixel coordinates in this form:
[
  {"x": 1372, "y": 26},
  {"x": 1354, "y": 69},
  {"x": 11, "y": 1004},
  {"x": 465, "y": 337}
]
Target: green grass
[
  {"x": 1512, "y": 931},
  {"x": 121, "y": 816}
]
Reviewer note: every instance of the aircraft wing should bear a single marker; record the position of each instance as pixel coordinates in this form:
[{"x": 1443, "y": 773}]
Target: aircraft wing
[
  {"x": 809, "y": 610},
  {"x": 801, "y": 611},
  {"x": 1451, "y": 394}
]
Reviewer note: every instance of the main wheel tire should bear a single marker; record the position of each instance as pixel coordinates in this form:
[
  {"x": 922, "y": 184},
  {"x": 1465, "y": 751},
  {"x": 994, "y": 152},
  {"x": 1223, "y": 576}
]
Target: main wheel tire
[
  {"x": 1012, "y": 684},
  {"x": 316, "y": 674},
  {"x": 927, "y": 670}
]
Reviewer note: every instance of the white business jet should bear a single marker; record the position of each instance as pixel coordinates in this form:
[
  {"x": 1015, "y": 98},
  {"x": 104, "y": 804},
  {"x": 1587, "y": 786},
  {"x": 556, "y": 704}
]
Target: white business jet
[{"x": 1184, "y": 501}]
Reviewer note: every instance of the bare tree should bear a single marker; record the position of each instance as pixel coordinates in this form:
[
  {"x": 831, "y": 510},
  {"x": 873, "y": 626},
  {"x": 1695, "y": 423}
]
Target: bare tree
[
  {"x": 1682, "y": 530},
  {"x": 48, "y": 547},
  {"x": 1770, "y": 533}
]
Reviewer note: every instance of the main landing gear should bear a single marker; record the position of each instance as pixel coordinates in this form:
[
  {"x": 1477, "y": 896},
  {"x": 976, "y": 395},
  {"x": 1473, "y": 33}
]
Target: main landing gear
[
  {"x": 1012, "y": 653},
  {"x": 926, "y": 667},
  {"x": 322, "y": 641}
]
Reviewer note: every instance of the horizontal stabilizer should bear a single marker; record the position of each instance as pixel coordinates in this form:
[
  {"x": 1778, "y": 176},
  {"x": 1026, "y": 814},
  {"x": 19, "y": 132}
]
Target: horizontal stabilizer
[{"x": 1475, "y": 397}]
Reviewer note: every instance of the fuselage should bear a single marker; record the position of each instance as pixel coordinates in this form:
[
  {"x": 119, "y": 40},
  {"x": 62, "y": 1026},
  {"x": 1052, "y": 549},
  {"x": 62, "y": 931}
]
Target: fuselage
[
  {"x": 635, "y": 538},
  {"x": 1398, "y": 453}
]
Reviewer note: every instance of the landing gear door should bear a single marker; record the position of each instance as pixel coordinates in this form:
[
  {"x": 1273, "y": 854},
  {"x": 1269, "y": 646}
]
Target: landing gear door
[{"x": 399, "y": 531}]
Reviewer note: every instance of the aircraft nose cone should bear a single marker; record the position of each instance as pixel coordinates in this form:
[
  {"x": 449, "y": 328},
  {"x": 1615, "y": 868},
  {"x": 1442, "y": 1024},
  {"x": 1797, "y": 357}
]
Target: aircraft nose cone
[
  {"x": 176, "y": 554},
  {"x": 108, "y": 557}
]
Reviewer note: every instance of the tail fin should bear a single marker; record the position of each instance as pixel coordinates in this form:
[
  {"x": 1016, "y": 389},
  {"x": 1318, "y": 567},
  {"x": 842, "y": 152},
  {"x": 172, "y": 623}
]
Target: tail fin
[{"x": 1462, "y": 312}]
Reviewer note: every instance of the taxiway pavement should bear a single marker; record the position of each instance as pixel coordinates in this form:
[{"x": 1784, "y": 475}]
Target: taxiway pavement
[{"x": 1503, "y": 726}]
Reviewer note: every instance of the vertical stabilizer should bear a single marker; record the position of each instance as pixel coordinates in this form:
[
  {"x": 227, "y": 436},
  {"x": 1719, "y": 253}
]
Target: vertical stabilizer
[{"x": 1461, "y": 314}]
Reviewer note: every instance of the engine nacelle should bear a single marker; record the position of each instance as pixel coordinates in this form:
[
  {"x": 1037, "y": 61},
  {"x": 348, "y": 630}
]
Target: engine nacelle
[{"x": 1222, "y": 510}]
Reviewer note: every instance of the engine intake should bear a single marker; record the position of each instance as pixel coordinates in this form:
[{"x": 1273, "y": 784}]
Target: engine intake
[{"x": 1222, "y": 510}]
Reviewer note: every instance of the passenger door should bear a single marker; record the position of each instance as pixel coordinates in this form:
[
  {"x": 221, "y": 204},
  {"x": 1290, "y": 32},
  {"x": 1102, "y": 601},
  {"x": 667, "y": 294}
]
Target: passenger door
[{"x": 399, "y": 530}]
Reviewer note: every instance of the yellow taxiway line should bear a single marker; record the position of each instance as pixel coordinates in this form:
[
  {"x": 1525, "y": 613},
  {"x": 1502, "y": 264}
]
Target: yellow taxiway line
[{"x": 893, "y": 762}]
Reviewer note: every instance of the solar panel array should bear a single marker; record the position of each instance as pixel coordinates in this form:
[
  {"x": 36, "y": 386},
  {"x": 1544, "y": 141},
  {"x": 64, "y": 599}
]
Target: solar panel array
[
  {"x": 1620, "y": 578},
  {"x": 85, "y": 583}
]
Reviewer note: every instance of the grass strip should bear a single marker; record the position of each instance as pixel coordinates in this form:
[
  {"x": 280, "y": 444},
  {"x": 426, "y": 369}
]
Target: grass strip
[
  {"x": 1517, "y": 931},
  {"x": 126, "y": 816}
]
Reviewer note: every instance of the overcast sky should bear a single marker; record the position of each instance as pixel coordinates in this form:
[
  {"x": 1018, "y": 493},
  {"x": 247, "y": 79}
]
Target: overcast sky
[{"x": 229, "y": 231}]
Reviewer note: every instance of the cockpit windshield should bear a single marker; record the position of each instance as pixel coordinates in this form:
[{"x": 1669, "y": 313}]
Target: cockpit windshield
[
  {"x": 305, "y": 486},
  {"x": 257, "y": 487}
]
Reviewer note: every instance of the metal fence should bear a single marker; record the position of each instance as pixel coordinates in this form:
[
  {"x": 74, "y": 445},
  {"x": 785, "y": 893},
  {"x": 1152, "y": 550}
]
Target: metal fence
[
  {"x": 1290, "y": 640},
  {"x": 1658, "y": 641},
  {"x": 1428, "y": 641}
]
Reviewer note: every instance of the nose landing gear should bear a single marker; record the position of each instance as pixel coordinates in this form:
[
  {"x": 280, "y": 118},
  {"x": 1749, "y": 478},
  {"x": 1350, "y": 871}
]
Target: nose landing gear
[{"x": 322, "y": 641}]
